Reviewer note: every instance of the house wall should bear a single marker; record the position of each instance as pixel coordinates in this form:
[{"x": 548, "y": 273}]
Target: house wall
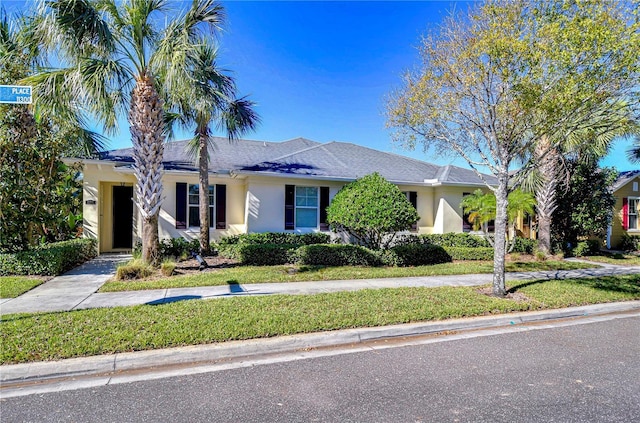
[
  {"x": 616, "y": 225},
  {"x": 446, "y": 206},
  {"x": 98, "y": 180},
  {"x": 424, "y": 207},
  {"x": 234, "y": 207}
]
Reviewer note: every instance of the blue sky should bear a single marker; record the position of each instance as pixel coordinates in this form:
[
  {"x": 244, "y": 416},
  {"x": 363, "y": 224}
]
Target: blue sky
[{"x": 322, "y": 70}]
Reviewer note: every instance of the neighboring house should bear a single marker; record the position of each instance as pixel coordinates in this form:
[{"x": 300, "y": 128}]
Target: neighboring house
[
  {"x": 625, "y": 220},
  {"x": 258, "y": 186}
]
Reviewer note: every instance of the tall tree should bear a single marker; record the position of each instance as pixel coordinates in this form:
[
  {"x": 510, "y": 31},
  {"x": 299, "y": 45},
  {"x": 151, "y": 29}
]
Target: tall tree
[
  {"x": 38, "y": 194},
  {"x": 587, "y": 143},
  {"x": 209, "y": 97},
  {"x": 113, "y": 53},
  {"x": 504, "y": 78}
]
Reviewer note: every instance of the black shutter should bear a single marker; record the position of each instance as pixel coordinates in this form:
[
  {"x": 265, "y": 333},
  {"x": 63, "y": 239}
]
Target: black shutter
[
  {"x": 181, "y": 205},
  {"x": 413, "y": 199},
  {"x": 221, "y": 207},
  {"x": 289, "y": 206},
  {"x": 324, "y": 203},
  {"x": 466, "y": 224}
]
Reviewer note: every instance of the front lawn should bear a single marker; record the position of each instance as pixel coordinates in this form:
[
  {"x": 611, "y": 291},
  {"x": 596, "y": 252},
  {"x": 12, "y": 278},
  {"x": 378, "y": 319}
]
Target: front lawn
[
  {"x": 619, "y": 259},
  {"x": 13, "y": 286},
  {"x": 52, "y": 336},
  {"x": 263, "y": 274}
]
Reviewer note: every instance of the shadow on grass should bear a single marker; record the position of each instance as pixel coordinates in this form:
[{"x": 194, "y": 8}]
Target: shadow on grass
[
  {"x": 174, "y": 299},
  {"x": 310, "y": 268},
  {"x": 629, "y": 285}
]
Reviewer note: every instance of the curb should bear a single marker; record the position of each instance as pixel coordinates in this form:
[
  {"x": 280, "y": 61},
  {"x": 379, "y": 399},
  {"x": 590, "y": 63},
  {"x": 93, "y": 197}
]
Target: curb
[{"x": 106, "y": 365}]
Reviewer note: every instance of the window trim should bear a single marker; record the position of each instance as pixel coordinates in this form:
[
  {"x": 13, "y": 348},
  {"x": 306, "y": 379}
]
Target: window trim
[
  {"x": 316, "y": 207},
  {"x": 190, "y": 205},
  {"x": 635, "y": 199}
]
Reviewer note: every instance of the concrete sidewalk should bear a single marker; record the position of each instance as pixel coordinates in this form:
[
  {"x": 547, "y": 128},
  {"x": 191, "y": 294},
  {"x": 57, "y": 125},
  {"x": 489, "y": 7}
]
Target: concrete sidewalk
[
  {"x": 76, "y": 290},
  {"x": 67, "y": 291}
]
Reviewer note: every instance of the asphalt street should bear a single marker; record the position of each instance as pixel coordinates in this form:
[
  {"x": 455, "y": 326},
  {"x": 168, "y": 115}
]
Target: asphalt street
[{"x": 570, "y": 373}]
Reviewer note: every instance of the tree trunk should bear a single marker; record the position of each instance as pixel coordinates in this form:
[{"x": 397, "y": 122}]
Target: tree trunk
[
  {"x": 546, "y": 193},
  {"x": 146, "y": 124},
  {"x": 500, "y": 240},
  {"x": 203, "y": 168}
]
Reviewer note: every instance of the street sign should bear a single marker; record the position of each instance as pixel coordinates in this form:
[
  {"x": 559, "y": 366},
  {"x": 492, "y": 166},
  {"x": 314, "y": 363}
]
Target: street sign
[{"x": 15, "y": 94}]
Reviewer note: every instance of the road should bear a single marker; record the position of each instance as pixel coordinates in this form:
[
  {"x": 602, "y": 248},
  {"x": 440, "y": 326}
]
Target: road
[{"x": 582, "y": 373}]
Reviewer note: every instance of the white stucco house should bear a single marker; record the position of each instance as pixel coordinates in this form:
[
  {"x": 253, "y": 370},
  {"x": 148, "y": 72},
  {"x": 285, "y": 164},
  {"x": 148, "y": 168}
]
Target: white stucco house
[{"x": 258, "y": 186}]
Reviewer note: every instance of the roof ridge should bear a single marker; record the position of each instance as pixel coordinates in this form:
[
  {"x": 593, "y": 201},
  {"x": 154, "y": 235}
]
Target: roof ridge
[{"x": 304, "y": 150}]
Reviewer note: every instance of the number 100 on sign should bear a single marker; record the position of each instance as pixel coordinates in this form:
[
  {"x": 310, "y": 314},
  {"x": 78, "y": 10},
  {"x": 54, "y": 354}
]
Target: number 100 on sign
[{"x": 15, "y": 94}]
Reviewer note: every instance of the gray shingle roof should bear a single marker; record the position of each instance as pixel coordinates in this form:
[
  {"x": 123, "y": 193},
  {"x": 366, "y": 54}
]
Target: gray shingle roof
[
  {"x": 301, "y": 156},
  {"x": 624, "y": 178}
]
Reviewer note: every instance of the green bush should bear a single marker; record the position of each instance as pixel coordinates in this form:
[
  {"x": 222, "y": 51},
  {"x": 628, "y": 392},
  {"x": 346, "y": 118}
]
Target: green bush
[
  {"x": 229, "y": 247},
  {"x": 264, "y": 254},
  {"x": 415, "y": 255},
  {"x": 590, "y": 247},
  {"x": 371, "y": 210},
  {"x": 629, "y": 243},
  {"x": 453, "y": 239},
  {"x": 134, "y": 269},
  {"x": 524, "y": 245},
  {"x": 167, "y": 267},
  {"x": 469, "y": 253},
  {"x": 336, "y": 255},
  {"x": 178, "y": 247},
  {"x": 50, "y": 259}
]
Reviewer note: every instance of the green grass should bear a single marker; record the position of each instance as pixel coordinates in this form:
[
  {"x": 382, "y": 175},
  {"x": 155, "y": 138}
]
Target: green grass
[
  {"x": 620, "y": 259},
  {"x": 262, "y": 274},
  {"x": 51, "y": 336},
  {"x": 13, "y": 286}
]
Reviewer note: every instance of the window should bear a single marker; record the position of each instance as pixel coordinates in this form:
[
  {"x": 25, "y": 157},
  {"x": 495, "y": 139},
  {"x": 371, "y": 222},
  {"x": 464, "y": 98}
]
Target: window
[
  {"x": 632, "y": 213},
  {"x": 412, "y": 197},
  {"x": 306, "y": 207},
  {"x": 193, "y": 202}
]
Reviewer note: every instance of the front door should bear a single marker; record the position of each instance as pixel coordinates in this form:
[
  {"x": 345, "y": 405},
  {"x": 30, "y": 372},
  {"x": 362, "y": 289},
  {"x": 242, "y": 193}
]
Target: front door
[{"x": 122, "y": 217}]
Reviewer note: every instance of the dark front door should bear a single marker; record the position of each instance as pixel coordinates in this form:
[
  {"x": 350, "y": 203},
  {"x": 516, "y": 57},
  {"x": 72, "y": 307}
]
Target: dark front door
[{"x": 122, "y": 217}]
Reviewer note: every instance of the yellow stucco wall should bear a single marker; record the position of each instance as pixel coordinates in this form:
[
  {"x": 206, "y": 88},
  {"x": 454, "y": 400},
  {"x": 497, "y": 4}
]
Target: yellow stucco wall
[
  {"x": 253, "y": 204},
  {"x": 616, "y": 225}
]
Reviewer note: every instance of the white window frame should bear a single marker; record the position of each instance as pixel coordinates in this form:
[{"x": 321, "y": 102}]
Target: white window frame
[
  {"x": 316, "y": 207},
  {"x": 636, "y": 201},
  {"x": 196, "y": 205}
]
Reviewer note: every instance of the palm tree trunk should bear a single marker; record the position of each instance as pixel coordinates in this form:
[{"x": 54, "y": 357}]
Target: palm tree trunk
[
  {"x": 546, "y": 194},
  {"x": 203, "y": 170},
  {"x": 146, "y": 126}
]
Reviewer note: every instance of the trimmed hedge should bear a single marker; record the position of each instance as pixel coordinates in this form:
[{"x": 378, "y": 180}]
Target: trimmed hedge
[
  {"x": 415, "y": 255},
  {"x": 50, "y": 260},
  {"x": 467, "y": 253},
  {"x": 453, "y": 239},
  {"x": 265, "y": 254},
  {"x": 336, "y": 255},
  {"x": 525, "y": 246},
  {"x": 231, "y": 246}
]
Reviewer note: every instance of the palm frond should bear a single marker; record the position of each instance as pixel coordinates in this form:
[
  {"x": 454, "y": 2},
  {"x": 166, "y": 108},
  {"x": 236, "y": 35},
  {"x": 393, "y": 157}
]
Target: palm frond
[{"x": 239, "y": 118}]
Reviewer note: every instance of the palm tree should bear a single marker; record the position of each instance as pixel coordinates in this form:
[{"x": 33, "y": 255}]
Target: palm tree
[
  {"x": 634, "y": 152},
  {"x": 114, "y": 53},
  {"x": 209, "y": 96},
  {"x": 481, "y": 208},
  {"x": 588, "y": 141}
]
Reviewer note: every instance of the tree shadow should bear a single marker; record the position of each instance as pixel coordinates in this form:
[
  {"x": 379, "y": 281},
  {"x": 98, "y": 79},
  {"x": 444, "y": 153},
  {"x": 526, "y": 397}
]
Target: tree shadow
[
  {"x": 235, "y": 287},
  {"x": 176, "y": 299},
  {"x": 603, "y": 283}
]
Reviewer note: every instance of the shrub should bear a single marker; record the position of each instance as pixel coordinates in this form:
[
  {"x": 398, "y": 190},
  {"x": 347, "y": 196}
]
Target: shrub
[
  {"x": 50, "y": 259},
  {"x": 587, "y": 248},
  {"x": 336, "y": 255},
  {"x": 540, "y": 255},
  {"x": 134, "y": 269},
  {"x": 178, "y": 247},
  {"x": 167, "y": 267},
  {"x": 229, "y": 247},
  {"x": 470, "y": 253},
  {"x": 453, "y": 239},
  {"x": 371, "y": 210},
  {"x": 524, "y": 245},
  {"x": 415, "y": 255},
  {"x": 629, "y": 243},
  {"x": 264, "y": 254}
]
